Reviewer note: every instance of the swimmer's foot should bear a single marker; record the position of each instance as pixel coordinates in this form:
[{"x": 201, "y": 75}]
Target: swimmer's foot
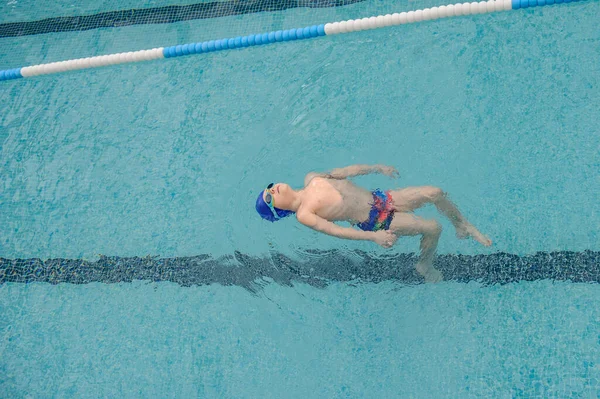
[
  {"x": 429, "y": 273},
  {"x": 468, "y": 230}
]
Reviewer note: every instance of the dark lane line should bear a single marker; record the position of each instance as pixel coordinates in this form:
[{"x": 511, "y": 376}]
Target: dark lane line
[
  {"x": 319, "y": 269},
  {"x": 160, "y": 15}
]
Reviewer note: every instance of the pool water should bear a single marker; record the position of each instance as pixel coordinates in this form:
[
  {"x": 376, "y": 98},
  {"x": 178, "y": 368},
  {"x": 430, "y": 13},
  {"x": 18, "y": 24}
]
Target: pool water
[{"x": 166, "y": 158}]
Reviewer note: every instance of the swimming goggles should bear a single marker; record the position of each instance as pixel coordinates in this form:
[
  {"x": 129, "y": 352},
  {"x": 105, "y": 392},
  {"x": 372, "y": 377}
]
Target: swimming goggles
[{"x": 270, "y": 201}]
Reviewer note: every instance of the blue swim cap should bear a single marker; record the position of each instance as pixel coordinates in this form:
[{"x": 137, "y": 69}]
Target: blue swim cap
[{"x": 265, "y": 212}]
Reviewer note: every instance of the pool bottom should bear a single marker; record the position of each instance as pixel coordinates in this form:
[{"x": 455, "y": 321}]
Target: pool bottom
[{"x": 319, "y": 269}]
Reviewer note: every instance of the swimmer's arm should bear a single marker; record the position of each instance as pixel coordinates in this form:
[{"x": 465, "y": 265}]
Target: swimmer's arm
[
  {"x": 324, "y": 226},
  {"x": 359, "y": 170}
]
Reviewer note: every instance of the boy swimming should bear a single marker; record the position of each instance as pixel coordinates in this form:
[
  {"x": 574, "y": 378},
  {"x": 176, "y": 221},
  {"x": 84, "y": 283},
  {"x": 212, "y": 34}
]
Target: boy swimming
[{"x": 380, "y": 216}]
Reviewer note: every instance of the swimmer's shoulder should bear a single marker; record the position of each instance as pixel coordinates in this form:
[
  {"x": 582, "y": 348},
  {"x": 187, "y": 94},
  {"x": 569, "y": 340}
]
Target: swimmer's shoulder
[
  {"x": 326, "y": 176},
  {"x": 308, "y": 178}
]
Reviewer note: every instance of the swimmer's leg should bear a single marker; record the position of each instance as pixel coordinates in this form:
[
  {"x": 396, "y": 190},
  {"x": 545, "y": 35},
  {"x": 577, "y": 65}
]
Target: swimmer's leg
[
  {"x": 405, "y": 224},
  {"x": 411, "y": 198}
]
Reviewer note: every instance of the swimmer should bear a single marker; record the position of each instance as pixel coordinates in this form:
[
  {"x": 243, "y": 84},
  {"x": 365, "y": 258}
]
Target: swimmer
[{"x": 380, "y": 216}]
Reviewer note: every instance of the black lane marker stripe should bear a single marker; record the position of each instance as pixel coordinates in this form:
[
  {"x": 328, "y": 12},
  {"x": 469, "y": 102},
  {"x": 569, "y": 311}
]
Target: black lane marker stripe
[
  {"x": 319, "y": 269},
  {"x": 160, "y": 15}
]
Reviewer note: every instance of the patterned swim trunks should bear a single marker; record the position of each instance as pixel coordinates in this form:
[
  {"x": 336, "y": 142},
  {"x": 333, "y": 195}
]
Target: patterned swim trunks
[{"x": 381, "y": 214}]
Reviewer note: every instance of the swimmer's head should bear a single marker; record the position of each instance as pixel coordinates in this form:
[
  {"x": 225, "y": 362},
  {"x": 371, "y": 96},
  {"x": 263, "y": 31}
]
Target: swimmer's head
[{"x": 265, "y": 203}]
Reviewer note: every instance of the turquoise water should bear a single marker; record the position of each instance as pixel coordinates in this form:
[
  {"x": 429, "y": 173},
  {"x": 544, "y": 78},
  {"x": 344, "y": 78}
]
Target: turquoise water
[
  {"x": 166, "y": 158},
  {"x": 159, "y": 340}
]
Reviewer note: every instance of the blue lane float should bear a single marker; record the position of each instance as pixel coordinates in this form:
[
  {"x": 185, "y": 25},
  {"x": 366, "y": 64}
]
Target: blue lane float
[
  {"x": 244, "y": 41},
  {"x": 10, "y": 74},
  {"x": 309, "y": 32}
]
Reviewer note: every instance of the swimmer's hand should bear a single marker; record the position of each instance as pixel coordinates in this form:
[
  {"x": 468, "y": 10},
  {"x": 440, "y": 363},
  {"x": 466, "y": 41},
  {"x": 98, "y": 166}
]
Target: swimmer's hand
[
  {"x": 385, "y": 238},
  {"x": 389, "y": 171}
]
